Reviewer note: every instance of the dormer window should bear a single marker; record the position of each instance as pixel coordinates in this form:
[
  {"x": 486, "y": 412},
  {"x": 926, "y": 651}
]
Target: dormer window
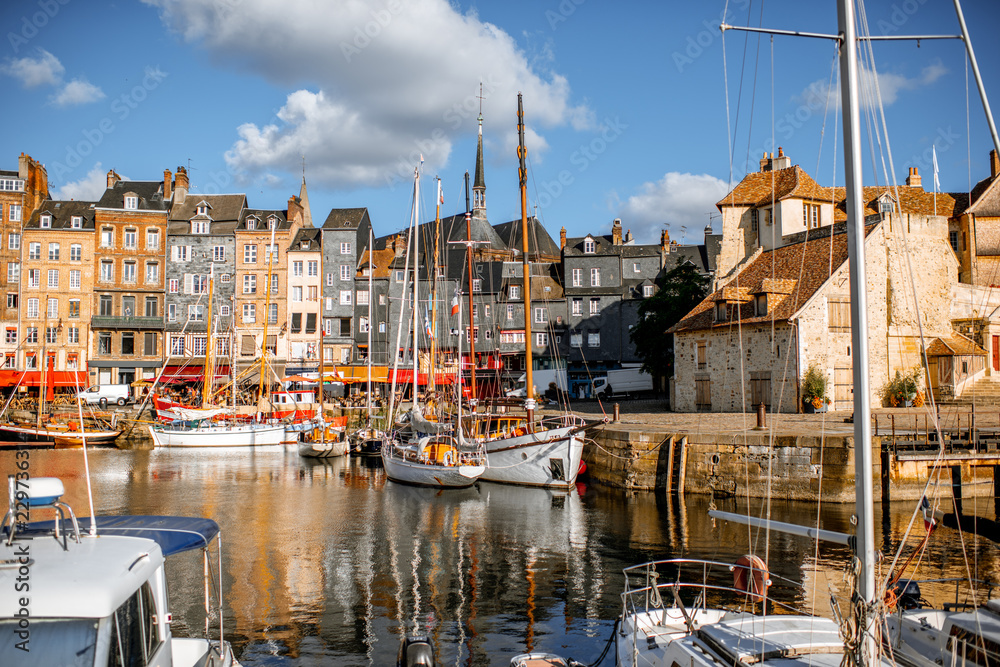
[
  {"x": 647, "y": 291},
  {"x": 272, "y": 222},
  {"x": 760, "y": 305},
  {"x": 721, "y": 311},
  {"x": 45, "y": 222},
  {"x": 515, "y": 291},
  {"x": 199, "y": 226},
  {"x": 251, "y": 223},
  {"x": 589, "y": 246},
  {"x": 131, "y": 202},
  {"x": 201, "y": 209},
  {"x": 76, "y": 222},
  {"x": 304, "y": 245},
  {"x": 886, "y": 205}
]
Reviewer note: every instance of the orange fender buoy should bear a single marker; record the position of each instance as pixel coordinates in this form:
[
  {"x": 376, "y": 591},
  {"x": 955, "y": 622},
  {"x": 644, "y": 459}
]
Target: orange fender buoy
[{"x": 750, "y": 576}]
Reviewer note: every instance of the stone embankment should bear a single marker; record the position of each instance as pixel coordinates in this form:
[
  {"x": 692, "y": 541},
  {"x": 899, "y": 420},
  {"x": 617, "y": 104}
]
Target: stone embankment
[{"x": 795, "y": 457}]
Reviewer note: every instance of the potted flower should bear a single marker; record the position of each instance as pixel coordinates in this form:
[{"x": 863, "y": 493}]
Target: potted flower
[
  {"x": 903, "y": 390},
  {"x": 814, "y": 397}
]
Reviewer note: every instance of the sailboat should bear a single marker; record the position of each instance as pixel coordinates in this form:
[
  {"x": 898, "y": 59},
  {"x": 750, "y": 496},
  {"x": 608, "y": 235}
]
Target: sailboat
[
  {"x": 657, "y": 629},
  {"x": 210, "y": 425},
  {"x": 545, "y": 453},
  {"x": 423, "y": 452}
]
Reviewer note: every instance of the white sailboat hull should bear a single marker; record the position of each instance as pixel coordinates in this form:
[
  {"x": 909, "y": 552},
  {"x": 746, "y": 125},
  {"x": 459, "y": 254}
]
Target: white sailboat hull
[
  {"x": 549, "y": 458},
  {"x": 398, "y": 468},
  {"x": 238, "y": 435},
  {"x": 324, "y": 450}
]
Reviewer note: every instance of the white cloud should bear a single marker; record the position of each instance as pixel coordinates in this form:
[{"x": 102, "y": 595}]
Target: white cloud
[
  {"x": 679, "y": 203},
  {"x": 820, "y": 93},
  {"x": 77, "y": 91},
  {"x": 43, "y": 70},
  {"x": 379, "y": 82},
  {"x": 88, "y": 188}
]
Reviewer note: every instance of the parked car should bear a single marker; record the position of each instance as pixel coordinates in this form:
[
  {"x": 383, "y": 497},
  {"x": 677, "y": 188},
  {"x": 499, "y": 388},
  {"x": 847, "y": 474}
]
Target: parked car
[{"x": 106, "y": 393}]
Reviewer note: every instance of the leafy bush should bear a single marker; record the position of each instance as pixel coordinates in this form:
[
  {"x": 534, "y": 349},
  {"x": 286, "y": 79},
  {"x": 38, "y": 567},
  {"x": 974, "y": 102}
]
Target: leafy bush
[
  {"x": 903, "y": 388},
  {"x": 814, "y": 387}
]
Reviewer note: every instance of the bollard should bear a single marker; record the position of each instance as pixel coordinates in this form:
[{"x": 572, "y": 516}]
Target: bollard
[
  {"x": 761, "y": 416},
  {"x": 615, "y": 418}
]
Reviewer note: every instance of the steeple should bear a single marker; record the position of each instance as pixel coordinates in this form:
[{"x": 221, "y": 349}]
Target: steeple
[
  {"x": 479, "y": 184},
  {"x": 307, "y": 218}
]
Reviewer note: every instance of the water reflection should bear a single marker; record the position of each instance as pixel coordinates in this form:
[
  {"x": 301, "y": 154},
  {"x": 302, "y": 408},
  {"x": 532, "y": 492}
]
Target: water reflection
[{"x": 326, "y": 562}]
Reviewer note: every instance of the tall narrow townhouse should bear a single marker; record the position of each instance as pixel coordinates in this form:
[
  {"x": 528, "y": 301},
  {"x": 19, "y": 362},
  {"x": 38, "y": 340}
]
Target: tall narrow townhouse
[
  {"x": 21, "y": 192},
  {"x": 345, "y": 239},
  {"x": 262, "y": 239},
  {"x": 202, "y": 254},
  {"x": 129, "y": 264},
  {"x": 57, "y": 294},
  {"x": 304, "y": 285}
]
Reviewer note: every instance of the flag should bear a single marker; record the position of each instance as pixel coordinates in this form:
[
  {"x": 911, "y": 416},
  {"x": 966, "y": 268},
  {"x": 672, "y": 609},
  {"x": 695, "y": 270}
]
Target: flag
[
  {"x": 929, "y": 520},
  {"x": 427, "y": 324},
  {"x": 455, "y": 304},
  {"x": 440, "y": 194},
  {"x": 937, "y": 183}
]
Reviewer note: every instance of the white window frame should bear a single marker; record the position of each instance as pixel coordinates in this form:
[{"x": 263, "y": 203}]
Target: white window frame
[
  {"x": 76, "y": 252},
  {"x": 75, "y": 279},
  {"x": 130, "y": 238},
  {"x": 345, "y": 271},
  {"x": 345, "y": 247},
  {"x": 595, "y": 277},
  {"x": 219, "y": 253},
  {"x": 346, "y": 297}
]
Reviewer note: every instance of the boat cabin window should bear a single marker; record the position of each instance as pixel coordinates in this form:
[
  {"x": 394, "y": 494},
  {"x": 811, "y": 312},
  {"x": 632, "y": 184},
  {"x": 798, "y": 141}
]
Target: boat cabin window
[
  {"x": 135, "y": 636},
  {"x": 61, "y": 641},
  {"x": 975, "y": 649}
]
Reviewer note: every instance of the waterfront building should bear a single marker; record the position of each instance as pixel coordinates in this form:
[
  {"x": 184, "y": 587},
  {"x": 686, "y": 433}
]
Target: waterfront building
[
  {"x": 304, "y": 285},
  {"x": 129, "y": 263},
  {"x": 56, "y": 294},
  {"x": 200, "y": 245},
  {"x": 344, "y": 238}
]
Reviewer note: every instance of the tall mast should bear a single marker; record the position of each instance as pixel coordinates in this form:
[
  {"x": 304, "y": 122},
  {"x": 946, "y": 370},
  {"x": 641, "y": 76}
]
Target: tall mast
[
  {"x": 434, "y": 285},
  {"x": 468, "y": 260},
  {"x": 522, "y": 173},
  {"x": 208, "y": 379},
  {"x": 267, "y": 315},
  {"x": 371, "y": 296},
  {"x": 319, "y": 328},
  {"x": 416, "y": 283},
  {"x": 865, "y": 547}
]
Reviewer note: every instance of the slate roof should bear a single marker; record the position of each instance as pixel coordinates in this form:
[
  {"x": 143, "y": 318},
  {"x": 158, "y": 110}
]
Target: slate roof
[
  {"x": 345, "y": 218},
  {"x": 221, "y": 207},
  {"x": 150, "y": 195},
  {"x": 806, "y": 263},
  {"x": 62, "y": 213},
  {"x": 308, "y": 239},
  {"x": 986, "y": 198},
  {"x": 539, "y": 240},
  {"x": 262, "y": 215}
]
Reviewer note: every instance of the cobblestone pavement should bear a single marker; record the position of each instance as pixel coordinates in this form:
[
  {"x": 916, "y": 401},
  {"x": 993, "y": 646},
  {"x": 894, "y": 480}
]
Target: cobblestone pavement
[{"x": 650, "y": 414}]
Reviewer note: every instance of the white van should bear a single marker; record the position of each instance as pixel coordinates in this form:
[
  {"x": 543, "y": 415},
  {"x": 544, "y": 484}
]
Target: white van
[{"x": 106, "y": 393}]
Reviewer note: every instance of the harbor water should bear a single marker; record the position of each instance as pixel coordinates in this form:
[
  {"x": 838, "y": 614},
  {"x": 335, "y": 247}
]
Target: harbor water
[{"x": 328, "y": 563}]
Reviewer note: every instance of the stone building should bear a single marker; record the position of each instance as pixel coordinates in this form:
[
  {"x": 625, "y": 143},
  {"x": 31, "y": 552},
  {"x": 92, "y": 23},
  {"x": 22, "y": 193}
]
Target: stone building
[
  {"x": 57, "y": 293},
  {"x": 201, "y": 249},
  {"x": 129, "y": 266}
]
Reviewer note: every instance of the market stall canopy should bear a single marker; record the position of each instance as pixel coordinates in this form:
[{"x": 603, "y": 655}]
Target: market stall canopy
[{"x": 11, "y": 378}]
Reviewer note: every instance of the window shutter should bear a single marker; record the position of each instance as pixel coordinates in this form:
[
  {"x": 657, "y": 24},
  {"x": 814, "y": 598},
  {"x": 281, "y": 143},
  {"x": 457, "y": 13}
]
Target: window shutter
[{"x": 188, "y": 283}]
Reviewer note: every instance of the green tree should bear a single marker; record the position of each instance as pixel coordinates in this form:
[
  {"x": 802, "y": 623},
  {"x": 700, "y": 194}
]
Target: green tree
[{"x": 681, "y": 289}]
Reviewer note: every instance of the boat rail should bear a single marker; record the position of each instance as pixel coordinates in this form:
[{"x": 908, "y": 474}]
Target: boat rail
[
  {"x": 658, "y": 585},
  {"x": 971, "y": 587}
]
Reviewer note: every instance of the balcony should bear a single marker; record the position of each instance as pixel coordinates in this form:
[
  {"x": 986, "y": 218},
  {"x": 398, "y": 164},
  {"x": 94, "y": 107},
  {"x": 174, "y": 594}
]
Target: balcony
[{"x": 126, "y": 322}]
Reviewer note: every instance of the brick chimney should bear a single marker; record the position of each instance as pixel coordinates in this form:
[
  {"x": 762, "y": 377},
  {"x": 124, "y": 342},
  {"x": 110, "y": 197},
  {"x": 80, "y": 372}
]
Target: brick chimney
[
  {"x": 914, "y": 180},
  {"x": 562, "y": 238},
  {"x": 295, "y": 210},
  {"x": 616, "y": 232},
  {"x": 782, "y": 161},
  {"x": 994, "y": 164},
  {"x": 665, "y": 241},
  {"x": 765, "y": 162},
  {"x": 180, "y": 185},
  {"x": 113, "y": 178},
  {"x": 168, "y": 183}
]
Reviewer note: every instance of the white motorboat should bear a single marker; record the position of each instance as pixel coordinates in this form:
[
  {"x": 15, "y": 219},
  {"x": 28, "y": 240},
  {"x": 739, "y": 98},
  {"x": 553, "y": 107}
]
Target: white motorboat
[
  {"x": 97, "y": 600},
  {"x": 548, "y": 456},
  {"x": 325, "y": 442}
]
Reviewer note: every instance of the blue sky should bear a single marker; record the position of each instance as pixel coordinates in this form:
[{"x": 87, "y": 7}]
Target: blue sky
[{"x": 625, "y": 103}]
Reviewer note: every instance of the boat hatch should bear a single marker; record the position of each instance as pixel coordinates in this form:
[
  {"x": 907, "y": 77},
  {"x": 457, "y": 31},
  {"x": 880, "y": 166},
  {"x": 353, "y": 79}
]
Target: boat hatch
[
  {"x": 757, "y": 639},
  {"x": 174, "y": 534}
]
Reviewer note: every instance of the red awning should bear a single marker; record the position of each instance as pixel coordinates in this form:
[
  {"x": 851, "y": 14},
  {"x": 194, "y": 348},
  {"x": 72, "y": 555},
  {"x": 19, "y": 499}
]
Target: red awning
[
  {"x": 405, "y": 376},
  {"x": 11, "y": 378},
  {"x": 190, "y": 373}
]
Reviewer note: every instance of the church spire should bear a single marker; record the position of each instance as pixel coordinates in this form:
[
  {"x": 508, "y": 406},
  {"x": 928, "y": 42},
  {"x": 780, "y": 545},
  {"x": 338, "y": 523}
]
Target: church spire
[
  {"x": 479, "y": 184},
  {"x": 307, "y": 219}
]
